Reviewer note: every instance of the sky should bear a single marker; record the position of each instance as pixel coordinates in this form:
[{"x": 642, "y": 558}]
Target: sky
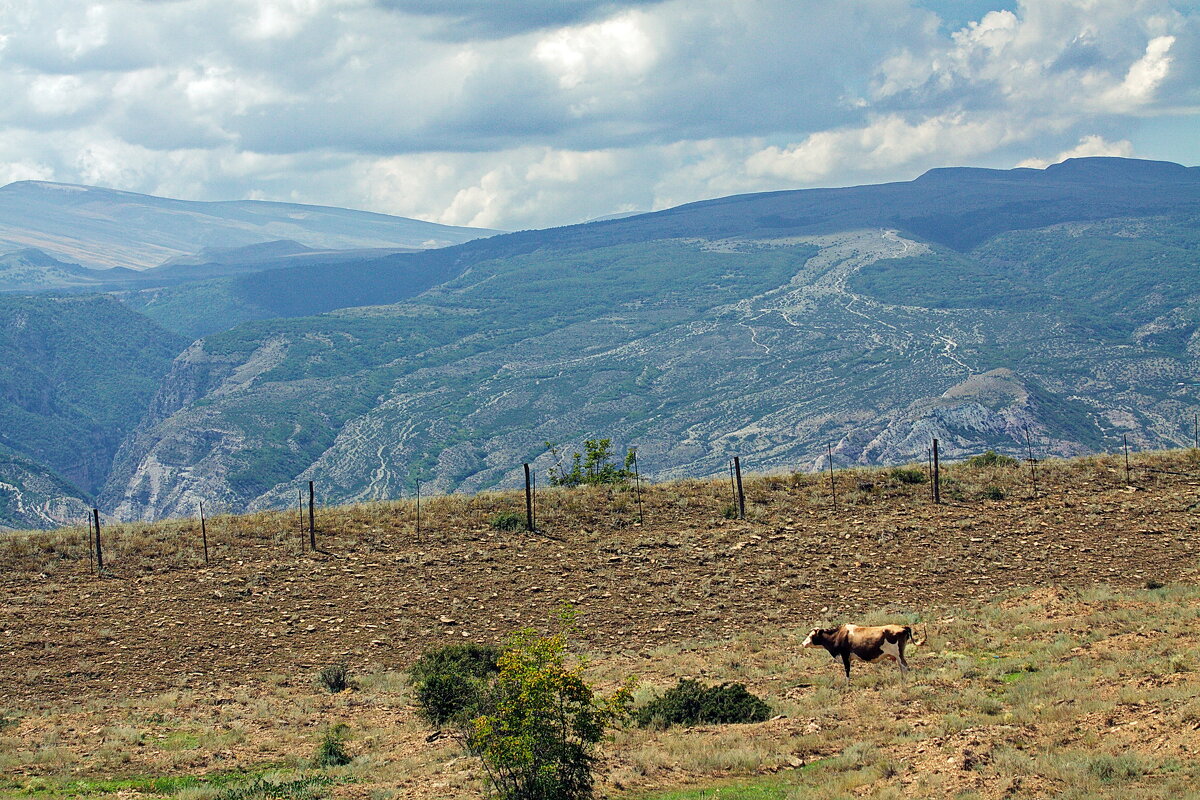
[{"x": 518, "y": 114}]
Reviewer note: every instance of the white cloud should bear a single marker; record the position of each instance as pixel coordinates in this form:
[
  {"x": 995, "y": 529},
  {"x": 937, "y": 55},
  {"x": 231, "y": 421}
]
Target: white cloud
[
  {"x": 1091, "y": 145},
  {"x": 631, "y": 104}
]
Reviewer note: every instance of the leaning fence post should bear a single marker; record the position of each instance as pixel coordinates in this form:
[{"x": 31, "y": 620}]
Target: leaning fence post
[
  {"x": 312, "y": 527},
  {"x": 832, "y": 485},
  {"x": 741, "y": 496},
  {"x": 637, "y": 482},
  {"x": 203, "y": 533},
  {"x": 91, "y": 544},
  {"x": 99, "y": 551},
  {"x": 1125, "y": 445},
  {"x": 528, "y": 500},
  {"x": 937, "y": 475}
]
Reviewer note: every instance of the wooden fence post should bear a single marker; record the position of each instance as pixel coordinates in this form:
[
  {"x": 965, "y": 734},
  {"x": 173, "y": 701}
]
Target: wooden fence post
[
  {"x": 418, "y": 510},
  {"x": 1032, "y": 463},
  {"x": 637, "y": 482},
  {"x": 528, "y": 500},
  {"x": 1125, "y": 445},
  {"x": 741, "y": 496},
  {"x": 91, "y": 543},
  {"x": 312, "y": 525},
  {"x": 99, "y": 549},
  {"x": 937, "y": 475},
  {"x": 832, "y": 484},
  {"x": 203, "y": 533}
]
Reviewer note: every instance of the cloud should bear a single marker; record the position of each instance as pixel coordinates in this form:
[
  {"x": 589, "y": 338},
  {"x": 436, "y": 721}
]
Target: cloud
[
  {"x": 540, "y": 112},
  {"x": 491, "y": 19},
  {"x": 1091, "y": 145}
]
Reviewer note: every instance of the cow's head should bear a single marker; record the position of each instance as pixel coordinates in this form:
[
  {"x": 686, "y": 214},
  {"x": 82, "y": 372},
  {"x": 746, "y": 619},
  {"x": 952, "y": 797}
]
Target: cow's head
[{"x": 818, "y": 637}]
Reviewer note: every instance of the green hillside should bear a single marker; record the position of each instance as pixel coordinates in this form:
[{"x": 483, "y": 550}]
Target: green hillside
[{"x": 76, "y": 375}]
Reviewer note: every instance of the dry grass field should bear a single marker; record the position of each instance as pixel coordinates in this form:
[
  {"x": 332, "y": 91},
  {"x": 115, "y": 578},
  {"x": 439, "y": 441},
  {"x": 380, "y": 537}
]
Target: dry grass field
[{"x": 1061, "y": 661}]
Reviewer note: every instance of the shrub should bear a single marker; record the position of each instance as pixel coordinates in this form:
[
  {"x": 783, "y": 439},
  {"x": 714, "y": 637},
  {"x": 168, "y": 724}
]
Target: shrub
[
  {"x": 993, "y": 493},
  {"x": 305, "y": 788},
  {"x": 991, "y": 459},
  {"x": 541, "y": 722},
  {"x": 331, "y": 752},
  {"x": 691, "y": 703},
  {"x": 447, "y": 679},
  {"x": 730, "y": 511},
  {"x": 593, "y": 467},
  {"x": 508, "y": 521},
  {"x": 907, "y": 475},
  {"x": 335, "y": 678}
]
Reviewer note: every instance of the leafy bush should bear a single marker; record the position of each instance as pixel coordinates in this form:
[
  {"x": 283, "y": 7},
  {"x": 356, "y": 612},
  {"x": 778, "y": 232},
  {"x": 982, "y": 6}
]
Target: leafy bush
[
  {"x": 993, "y": 493},
  {"x": 508, "y": 521},
  {"x": 593, "y": 467},
  {"x": 991, "y": 459},
  {"x": 331, "y": 752},
  {"x": 692, "y": 703},
  {"x": 335, "y": 678},
  {"x": 907, "y": 475},
  {"x": 448, "y": 679},
  {"x": 730, "y": 511},
  {"x": 541, "y": 722}
]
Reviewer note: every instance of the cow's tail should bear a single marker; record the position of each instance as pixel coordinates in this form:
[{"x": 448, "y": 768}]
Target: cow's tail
[{"x": 912, "y": 637}]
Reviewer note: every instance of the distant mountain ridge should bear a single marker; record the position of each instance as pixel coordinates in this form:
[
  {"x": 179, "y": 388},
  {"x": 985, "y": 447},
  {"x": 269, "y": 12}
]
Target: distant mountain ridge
[
  {"x": 983, "y": 307},
  {"x": 101, "y": 228}
]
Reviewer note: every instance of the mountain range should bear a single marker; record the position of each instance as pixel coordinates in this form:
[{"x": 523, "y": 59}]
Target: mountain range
[{"x": 1052, "y": 310}]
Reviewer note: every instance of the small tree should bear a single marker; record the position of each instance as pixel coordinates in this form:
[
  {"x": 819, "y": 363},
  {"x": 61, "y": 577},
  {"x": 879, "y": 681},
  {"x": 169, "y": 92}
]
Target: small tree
[
  {"x": 592, "y": 467},
  {"x": 541, "y": 721}
]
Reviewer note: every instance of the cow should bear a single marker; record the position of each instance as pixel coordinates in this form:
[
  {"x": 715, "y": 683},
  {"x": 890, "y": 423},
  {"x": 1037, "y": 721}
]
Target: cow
[{"x": 864, "y": 642}]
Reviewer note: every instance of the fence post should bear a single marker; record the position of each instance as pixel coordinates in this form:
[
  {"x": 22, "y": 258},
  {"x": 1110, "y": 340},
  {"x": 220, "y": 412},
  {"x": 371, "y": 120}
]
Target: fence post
[
  {"x": 1125, "y": 445},
  {"x": 1032, "y": 462},
  {"x": 91, "y": 543},
  {"x": 637, "y": 482},
  {"x": 203, "y": 533},
  {"x": 741, "y": 496},
  {"x": 528, "y": 500},
  {"x": 312, "y": 526},
  {"x": 937, "y": 475},
  {"x": 99, "y": 550},
  {"x": 418, "y": 510},
  {"x": 832, "y": 484},
  {"x": 1196, "y": 431},
  {"x": 300, "y": 515}
]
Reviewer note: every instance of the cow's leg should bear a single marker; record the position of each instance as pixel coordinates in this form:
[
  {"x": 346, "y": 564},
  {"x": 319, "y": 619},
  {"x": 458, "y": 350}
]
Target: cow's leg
[
  {"x": 846, "y": 665},
  {"x": 895, "y": 651}
]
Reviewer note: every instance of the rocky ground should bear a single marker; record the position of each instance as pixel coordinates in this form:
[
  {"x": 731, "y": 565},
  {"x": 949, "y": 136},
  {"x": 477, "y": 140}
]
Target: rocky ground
[{"x": 675, "y": 594}]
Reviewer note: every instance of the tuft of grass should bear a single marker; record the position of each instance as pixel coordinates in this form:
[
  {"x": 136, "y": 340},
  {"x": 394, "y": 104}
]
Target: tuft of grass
[
  {"x": 335, "y": 678},
  {"x": 690, "y": 703},
  {"x": 991, "y": 459},
  {"x": 331, "y": 752},
  {"x": 907, "y": 475},
  {"x": 508, "y": 521}
]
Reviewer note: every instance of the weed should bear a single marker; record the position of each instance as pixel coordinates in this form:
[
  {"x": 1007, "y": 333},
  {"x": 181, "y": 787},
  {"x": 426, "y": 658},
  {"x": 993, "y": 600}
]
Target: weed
[
  {"x": 993, "y": 493},
  {"x": 907, "y": 475},
  {"x": 335, "y": 678},
  {"x": 306, "y": 788},
  {"x": 331, "y": 752},
  {"x": 991, "y": 459},
  {"x": 508, "y": 521},
  {"x": 730, "y": 511}
]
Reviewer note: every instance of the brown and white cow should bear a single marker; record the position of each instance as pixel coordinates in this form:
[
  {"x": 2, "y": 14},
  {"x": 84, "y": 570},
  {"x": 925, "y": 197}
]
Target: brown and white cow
[{"x": 864, "y": 642}]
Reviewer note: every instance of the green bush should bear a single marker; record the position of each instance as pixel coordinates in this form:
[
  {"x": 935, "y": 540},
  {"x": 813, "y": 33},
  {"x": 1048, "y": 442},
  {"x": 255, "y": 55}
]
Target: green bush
[
  {"x": 448, "y": 679},
  {"x": 335, "y": 678},
  {"x": 907, "y": 475},
  {"x": 991, "y": 459},
  {"x": 993, "y": 493},
  {"x": 692, "y": 703},
  {"x": 331, "y": 752},
  {"x": 540, "y": 722},
  {"x": 730, "y": 511},
  {"x": 508, "y": 521},
  {"x": 309, "y": 787}
]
